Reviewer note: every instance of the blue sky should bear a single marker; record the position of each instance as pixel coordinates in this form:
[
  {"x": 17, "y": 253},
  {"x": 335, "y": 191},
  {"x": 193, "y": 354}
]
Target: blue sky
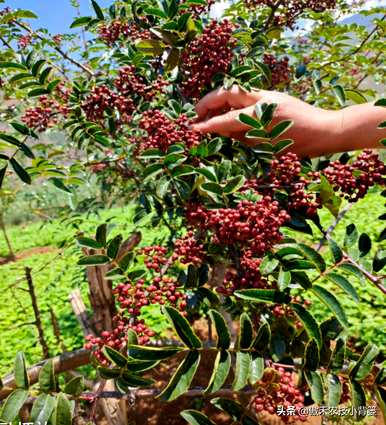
[{"x": 56, "y": 15}]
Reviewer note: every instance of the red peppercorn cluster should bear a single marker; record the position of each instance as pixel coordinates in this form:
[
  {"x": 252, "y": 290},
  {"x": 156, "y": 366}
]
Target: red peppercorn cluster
[
  {"x": 290, "y": 10},
  {"x": 254, "y": 226},
  {"x": 198, "y": 10},
  {"x": 129, "y": 83},
  {"x": 248, "y": 276},
  {"x": 354, "y": 180},
  {"x": 24, "y": 41},
  {"x": 101, "y": 99},
  {"x": 115, "y": 30},
  {"x": 163, "y": 132},
  {"x": 277, "y": 389},
  {"x": 206, "y": 56},
  {"x": 285, "y": 174},
  {"x": 117, "y": 338},
  {"x": 132, "y": 296},
  {"x": 188, "y": 250},
  {"x": 57, "y": 39},
  {"x": 280, "y": 70}
]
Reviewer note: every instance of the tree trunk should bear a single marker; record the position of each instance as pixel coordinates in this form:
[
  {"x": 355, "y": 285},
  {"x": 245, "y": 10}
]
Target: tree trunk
[
  {"x": 101, "y": 297},
  {"x": 8, "y": 242}
]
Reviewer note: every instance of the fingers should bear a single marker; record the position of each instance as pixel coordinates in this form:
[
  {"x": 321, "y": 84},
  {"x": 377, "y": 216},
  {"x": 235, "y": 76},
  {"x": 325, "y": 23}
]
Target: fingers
[
  {"x": 225, "y": 124},
  {"x": 235, "y": 97}
]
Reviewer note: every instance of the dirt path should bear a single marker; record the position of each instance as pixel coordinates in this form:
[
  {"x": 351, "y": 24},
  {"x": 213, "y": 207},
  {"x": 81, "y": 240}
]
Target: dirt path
[{"x": 27, "y": 253}]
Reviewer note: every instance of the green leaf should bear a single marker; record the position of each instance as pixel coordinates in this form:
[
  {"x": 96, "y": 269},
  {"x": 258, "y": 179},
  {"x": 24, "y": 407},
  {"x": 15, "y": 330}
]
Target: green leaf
[
  {"x": 332, "y": 303},
  {"x": 81, "y": 22},
  {"x": 243, "y": 365},
  {"x": 334, "y": 391},
  {"x": 38, "y": 92},
  {"x": 193, "y": 417},
  {"x": 151, "y": 47},
  {"x": 20, "y": 171},
  {"x": 135, "y": 381},
  {"x": 152, "y": 353},
  {"x": 113, "y": 246},
  {"x": 351, "y": 236},
  {"x": 21, "y": 375},
  {"x": 312, "y": 357},
  {"x": 263, "y": 338},
  {"x": 246, "y": 332},
  {"x": 262, "y": 295},
  {"x": 358, "y": 396},
  {"x": 280, "y": 128},
  {"x": 182, "y": 328},
  {"x": 355, "y": 96},
  {"x": 135, "y": 366},
  {"x": 115, "y": 356},
  {"x": 249, "y": 121},
  {"x": 256, "y": 371},
  {"x": 220, "y": 372},
  {"x": 182, "y": 378},
  {"x": 98, "y": 10},
  {"x": 59, "y": 184},
  {"x": 62, "y": 413},
  {"x": 37, "y": 67},
  {"x": 343, "y": 283},
  {"x": 207, "y": 172},
  {"x": 75, "y": 386},
  {"x": 284, "y": 279},
  {"x": 234, "y": 184},
  {"x": 108, "y": 373},
  {"x": 152, "y": 170},
  {"x": 380, "y": 102},
  {"x": 47, "y": 381},
  {"x": 337, "y": 358},
  {"x": 3, "y": 171},
  {"x": 281, "y": 145},
  {"x": 163, "y": 186},
  {"x": 267, "y": 115},
  {"x": 316, "y": 386},
  {"x": 235, "y": 410},
  {"x": 223, "y": 334},
  {"x": 364, "y": 244},
  {"x": 268, "y": 265},
  {"x": 42, "y": 408},
  {"x": 89, "y": 243},
  {"x": 313, "y": 255},
  {"x": 363, "y": 366},
  {"x": 213, "y": 187},
  {"x": 310, "y": 324},
  {"x": 13, "y": 404},
  {"x": 101, "y": 234},
  {"x": 94, "y": 260},
  {"x": 12, "y": 65},
  {"x": 23, "y": 129},
  {"x": 340, "y": 95},
  {"x": 335, "y": 250},
  {"x": 26, "y": 14}
]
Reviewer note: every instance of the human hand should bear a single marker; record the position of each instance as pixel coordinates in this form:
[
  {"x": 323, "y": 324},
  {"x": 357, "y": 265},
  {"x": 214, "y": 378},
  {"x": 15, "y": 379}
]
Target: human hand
[{"x": 314, "y": 130}]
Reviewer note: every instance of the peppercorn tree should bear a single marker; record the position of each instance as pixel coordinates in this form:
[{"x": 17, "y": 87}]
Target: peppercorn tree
[{"x": 237, "y": 217}]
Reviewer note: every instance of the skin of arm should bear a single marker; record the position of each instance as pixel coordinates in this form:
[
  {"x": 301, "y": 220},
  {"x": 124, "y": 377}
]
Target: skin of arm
[{"x": 315, "y": 131}]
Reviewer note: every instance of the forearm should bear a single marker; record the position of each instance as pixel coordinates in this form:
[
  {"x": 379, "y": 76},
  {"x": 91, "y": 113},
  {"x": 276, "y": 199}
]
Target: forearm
[{"x": 356, "y": 127}]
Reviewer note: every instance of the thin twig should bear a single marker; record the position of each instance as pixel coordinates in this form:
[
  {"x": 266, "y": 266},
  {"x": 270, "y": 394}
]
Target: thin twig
[
  {"x": 59, "y": 50},
  {"x": 38, "y": 321},
  {"x": 355, "y": 51},
  {"x": 329, "y": 231}
]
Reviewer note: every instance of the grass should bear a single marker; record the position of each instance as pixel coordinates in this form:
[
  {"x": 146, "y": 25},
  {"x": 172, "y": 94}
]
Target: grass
[{"x": 55, "y": 277}]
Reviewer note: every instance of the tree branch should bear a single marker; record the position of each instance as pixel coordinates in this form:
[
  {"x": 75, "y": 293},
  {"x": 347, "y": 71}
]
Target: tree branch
[
  {"x": 62, "y": 363},
  {"x": 59, "y": 50}
]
